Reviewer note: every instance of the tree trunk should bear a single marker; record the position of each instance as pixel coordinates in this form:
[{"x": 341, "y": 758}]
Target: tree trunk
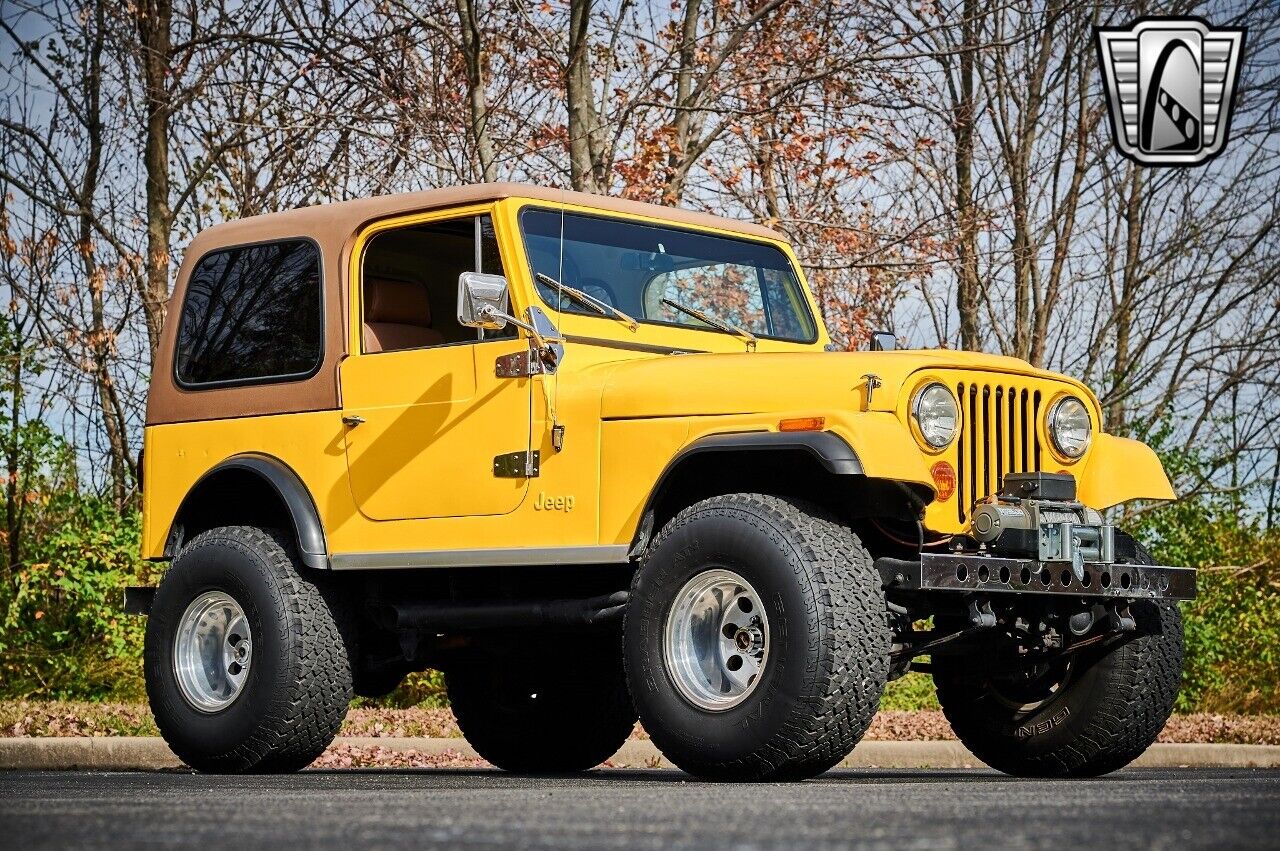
[
  {"x": 473, "y": 59},
  {"x": 1128, "y": 295},
  {"x": 1022, "y": 259},
  {"x": 767, "y": 164},
  {"x": 154, "y": 22},
  {"x": 100, "y": 341},
  {"x": 585, "y": 169},
  {"x": 13, "y": 497},
  {"x": 677, "y": 157},
  {"x": 968, "y": 285},
  {"x": 1062, "y": 243}
]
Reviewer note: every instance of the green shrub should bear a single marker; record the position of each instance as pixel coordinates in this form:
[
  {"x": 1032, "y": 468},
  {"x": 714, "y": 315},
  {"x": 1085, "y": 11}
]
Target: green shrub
[
  {"x": 425, "y": 689},
  {"x": 914, "y": 691},
  {"x": 65, "y": 634},
  {"x": 1233, "y": 626}
]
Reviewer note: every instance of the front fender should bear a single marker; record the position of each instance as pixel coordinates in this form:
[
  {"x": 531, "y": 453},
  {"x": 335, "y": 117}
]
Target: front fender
[
  {"x": 884, "y": 447},
  {"x": 1120, "y": 469}
]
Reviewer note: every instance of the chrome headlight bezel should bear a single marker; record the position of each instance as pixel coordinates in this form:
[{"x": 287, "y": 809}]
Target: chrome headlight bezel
[
  {"x": 926, "y": 416},
  {"x": 1068, "y": 413}
]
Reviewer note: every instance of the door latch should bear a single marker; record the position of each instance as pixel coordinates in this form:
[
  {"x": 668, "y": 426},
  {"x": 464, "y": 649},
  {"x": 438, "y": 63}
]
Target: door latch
[{"x": 352, "y": 420}]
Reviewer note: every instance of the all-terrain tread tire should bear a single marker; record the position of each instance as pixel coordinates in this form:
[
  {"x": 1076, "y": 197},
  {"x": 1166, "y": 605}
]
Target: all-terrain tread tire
[
  {"x": 296, "y": 715},
  {"x": 582, "y": 716},
  {"x": 1132, "y": 695},
  {"x": 848, "y": 648}
]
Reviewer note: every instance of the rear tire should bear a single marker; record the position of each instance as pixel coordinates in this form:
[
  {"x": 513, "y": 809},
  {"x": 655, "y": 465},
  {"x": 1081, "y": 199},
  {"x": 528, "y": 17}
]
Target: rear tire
[
  {"x": 561, "y": 711},
  {"x": 279, "y": 710},
  {"x": 812, "y": 637},
  {"x": 1107, "y": 708}
]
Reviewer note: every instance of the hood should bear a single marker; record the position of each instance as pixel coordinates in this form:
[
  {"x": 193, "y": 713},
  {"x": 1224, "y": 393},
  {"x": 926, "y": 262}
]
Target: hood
[{"x": 740, "y": 383}]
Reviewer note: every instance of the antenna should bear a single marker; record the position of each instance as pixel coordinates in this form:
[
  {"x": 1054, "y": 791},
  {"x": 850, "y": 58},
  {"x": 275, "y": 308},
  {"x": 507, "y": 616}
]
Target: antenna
[{"x": 557, "y": 430}]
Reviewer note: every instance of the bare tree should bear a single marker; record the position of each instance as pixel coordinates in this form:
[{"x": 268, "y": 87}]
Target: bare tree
[
  {"x": 946, "y": 168},
  {"x": 155, "y": 60}
]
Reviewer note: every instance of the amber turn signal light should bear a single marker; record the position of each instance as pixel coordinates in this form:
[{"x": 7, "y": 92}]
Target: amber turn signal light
[
  {"x": 802, "y": 424},
  {"x": 944, "y": 480}
]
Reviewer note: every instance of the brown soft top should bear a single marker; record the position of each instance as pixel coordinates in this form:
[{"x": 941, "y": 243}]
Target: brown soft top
[{"x": 333, "y": 227}]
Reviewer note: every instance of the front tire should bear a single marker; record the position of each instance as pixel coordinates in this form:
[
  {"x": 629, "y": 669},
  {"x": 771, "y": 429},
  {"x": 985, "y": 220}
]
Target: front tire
[
  {"x": 245, "y": 666},
  {"x": 757, "y": 639},
  {"x": 1091, "y": 716}
]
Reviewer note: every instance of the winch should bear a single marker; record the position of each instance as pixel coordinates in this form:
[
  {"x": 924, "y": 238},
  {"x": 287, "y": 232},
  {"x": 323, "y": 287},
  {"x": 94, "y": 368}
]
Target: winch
[{"x": 1036, "y": 515}]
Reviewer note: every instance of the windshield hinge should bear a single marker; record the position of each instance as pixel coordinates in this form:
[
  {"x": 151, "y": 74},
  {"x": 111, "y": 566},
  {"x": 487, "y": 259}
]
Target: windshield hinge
[{"x": 534, "y": 360}]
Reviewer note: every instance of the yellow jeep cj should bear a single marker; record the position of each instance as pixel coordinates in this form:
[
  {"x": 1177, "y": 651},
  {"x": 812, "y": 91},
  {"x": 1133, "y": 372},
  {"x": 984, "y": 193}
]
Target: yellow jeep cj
[{"x": 594, "y": 460}]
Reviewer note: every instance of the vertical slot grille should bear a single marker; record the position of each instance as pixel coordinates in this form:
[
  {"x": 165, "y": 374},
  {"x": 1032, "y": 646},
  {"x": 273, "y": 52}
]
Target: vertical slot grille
[{"x": 997, "y": 436}]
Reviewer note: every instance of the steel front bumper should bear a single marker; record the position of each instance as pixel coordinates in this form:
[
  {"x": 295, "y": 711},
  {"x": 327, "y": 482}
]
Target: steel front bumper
[{"x": 994, "y": 575}]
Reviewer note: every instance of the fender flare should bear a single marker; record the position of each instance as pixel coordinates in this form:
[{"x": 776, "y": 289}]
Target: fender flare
[
  {"x": 830, "y": 450},
  {"x": 293, "y": 495}
]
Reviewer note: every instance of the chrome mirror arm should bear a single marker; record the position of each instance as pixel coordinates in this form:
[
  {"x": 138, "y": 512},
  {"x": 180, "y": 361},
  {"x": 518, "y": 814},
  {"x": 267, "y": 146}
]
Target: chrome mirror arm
[{"x": 545, "y": 344}]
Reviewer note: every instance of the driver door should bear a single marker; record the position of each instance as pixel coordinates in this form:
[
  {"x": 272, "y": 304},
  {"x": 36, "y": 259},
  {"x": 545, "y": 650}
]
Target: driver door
[{"x": 426, "y": 416}]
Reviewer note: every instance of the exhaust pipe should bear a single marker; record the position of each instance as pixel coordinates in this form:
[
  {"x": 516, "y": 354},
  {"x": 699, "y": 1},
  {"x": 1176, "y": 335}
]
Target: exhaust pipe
[{"x": 501, "y": 614}]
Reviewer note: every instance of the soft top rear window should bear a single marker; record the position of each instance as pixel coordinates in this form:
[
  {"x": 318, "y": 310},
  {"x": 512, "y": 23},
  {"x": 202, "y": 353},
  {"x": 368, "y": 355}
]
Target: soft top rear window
[{"x": 252, "y": 314}]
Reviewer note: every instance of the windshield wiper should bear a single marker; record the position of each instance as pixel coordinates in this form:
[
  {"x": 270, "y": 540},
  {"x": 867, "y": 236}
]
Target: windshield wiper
[
  {"x": 718, "y": 324},
  {"x": 590, "y": 301}
]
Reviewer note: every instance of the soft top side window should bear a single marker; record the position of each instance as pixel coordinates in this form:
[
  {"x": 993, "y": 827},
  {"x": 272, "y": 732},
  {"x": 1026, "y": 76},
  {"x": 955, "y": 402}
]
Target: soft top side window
[{"x": 252, "y": 314}]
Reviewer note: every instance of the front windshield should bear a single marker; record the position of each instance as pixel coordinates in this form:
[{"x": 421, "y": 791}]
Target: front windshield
[{"x": 636, "y": 267}]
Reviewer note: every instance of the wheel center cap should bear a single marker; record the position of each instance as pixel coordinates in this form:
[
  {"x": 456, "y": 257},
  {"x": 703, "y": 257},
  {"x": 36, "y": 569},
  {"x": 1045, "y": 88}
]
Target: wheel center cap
[{"x": 748, "y": 639}]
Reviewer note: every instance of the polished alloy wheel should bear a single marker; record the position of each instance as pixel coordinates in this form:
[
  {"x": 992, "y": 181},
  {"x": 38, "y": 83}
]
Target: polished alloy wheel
[
  {"x": 212, "y": 651},
  {"x": 716, "y": 641}
]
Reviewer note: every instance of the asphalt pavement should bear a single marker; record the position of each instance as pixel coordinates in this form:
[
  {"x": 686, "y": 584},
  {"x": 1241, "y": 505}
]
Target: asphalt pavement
[{"x": 1137, "y": 808}]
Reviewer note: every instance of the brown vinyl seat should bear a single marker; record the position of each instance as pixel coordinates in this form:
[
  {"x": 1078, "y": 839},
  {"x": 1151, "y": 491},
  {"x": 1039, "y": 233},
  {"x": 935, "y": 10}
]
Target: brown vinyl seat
[{"x": 397, "y": 315}]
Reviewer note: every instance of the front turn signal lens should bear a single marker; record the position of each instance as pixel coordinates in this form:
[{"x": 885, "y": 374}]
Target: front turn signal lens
[
  {"x": 944, "y": 480},
  {"x": 802, "y": 424}
]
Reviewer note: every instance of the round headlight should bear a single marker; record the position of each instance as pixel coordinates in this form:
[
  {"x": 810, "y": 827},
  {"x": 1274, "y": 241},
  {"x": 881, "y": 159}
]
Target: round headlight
[
  {"x": 1069, "y": 427},
  {"x": 936, "y": 415}
]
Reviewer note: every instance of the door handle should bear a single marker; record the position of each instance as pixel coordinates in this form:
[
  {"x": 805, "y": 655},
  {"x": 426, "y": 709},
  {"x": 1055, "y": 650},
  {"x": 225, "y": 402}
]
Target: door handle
[{"x": 352, "y": 420}]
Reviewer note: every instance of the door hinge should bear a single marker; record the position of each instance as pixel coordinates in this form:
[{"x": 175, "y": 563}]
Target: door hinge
[
  {"x": 517, "y": 365},
  {"x": 517, "y": 465}
]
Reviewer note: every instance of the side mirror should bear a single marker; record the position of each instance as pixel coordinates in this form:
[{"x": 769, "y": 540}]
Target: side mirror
[
  {"x": 482, "y": 301},
  {"x": 883, "y": 341}
]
